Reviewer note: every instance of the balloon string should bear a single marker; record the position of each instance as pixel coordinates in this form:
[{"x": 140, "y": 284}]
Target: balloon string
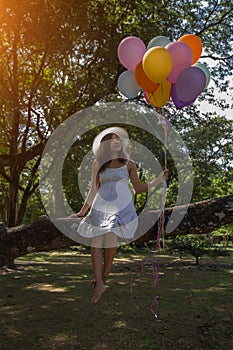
[
  {"x": 160, "y": 233},
  {"x": 165, "y": 125},
  {"x": 142, "y": 265},
  {"x": 133, "y": 297}
]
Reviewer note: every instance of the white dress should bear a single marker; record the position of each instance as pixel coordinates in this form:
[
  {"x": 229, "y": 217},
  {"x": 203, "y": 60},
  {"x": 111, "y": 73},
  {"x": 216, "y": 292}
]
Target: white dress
[{"x": 112, "y": 209}]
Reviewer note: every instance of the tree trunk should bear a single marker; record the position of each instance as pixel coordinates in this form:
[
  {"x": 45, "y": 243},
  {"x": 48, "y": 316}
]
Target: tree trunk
[
  {"x": 13, "y": 197},
  {"x": 200, "y": 218},
  {"x": 43, "y": 235}
]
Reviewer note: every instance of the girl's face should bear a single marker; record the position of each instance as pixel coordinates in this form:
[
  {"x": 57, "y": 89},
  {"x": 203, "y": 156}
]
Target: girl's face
[{"x": 115, "y": 144}]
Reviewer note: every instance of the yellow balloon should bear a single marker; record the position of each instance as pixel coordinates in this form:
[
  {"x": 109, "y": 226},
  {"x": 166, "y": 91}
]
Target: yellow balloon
[
  {"x": 157, "y": 63},
  {"x": 161, "y": 96}
]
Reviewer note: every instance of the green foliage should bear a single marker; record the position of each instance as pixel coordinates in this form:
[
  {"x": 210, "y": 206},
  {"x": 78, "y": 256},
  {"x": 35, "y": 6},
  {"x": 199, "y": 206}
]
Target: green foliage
[
  {"x": 223, "y": 236},
  {"x": 197, "y": 246},
  {"x": 186, "y": 245},
  {"x": 34, "y": 208},
  {"x": 209, "y": 139}
]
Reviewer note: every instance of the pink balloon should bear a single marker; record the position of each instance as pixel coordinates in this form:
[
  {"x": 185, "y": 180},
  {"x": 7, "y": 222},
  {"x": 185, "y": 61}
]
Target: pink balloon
[
  {"x": 181, "y": 59},
  {"x": 131, "y": 51},
  {"x": 190, "y": 83}
]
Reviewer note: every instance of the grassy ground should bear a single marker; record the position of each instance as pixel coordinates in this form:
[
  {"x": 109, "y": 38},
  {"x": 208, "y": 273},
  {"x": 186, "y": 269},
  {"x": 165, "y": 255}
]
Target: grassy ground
[{"x": 46, "y": 305}]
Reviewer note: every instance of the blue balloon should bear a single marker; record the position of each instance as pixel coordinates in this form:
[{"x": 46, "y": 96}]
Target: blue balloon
[
  {"x": 127, "y": 84},
  {"x": 158, "y": 41}
]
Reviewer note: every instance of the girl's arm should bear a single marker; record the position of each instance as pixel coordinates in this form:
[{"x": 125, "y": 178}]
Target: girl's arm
[
  {"x": 140, "y": 187},
  {"x": 92, "y": 192}
]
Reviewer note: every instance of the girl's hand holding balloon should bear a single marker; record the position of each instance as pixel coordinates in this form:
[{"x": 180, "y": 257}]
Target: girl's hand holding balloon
[
  {"x": 164, "y": 175},
  {"x": 165, "y": 172}
]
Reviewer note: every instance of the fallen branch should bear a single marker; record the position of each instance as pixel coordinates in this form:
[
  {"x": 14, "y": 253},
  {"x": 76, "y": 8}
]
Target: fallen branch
[{"x": 43, "y": 234}]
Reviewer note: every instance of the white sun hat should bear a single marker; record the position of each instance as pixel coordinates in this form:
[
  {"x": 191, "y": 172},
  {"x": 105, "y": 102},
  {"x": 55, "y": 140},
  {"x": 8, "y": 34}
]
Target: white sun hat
[{"x": 122, "y": 133}]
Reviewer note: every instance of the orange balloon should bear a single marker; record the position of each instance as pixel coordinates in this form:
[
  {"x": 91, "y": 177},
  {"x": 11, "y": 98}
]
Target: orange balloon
[
  {"x": 195, "y": 44},
  {"x": 142, "y": 79},
  {"x": 161, "y": 96}
]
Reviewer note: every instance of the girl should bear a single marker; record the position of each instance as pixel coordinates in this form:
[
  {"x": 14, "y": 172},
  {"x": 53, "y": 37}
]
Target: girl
[{"x": 112, "y": 216}]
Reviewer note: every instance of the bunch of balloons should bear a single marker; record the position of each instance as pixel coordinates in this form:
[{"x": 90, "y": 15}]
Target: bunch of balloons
[{"x": 163, "y": 70}]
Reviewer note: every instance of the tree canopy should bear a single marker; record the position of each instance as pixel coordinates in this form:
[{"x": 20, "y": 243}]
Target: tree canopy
[{"x": 58, "y": 57}]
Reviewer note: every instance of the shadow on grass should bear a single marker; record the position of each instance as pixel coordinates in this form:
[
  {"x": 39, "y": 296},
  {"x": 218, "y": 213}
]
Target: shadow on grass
[{"x": 46, "y": 305}]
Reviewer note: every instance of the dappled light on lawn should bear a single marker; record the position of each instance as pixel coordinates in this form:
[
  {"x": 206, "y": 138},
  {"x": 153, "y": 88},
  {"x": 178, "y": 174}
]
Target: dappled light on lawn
[
  {"x": 56, "y": 301},
  {"x": 120, "y": 324},
  {"x": 46, "y": 287}
]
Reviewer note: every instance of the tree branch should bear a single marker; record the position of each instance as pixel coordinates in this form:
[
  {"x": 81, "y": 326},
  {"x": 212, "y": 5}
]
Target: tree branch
[
  {"x": 7, "y": 160},
  {"x": 43, "y": 235},
  {"x": 213, "y": 24}
]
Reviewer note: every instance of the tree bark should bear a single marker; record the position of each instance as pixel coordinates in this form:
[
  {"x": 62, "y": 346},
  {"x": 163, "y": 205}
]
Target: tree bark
[
  {"x": 200, "y": 218},
  {"x": 43, "y": 235}
]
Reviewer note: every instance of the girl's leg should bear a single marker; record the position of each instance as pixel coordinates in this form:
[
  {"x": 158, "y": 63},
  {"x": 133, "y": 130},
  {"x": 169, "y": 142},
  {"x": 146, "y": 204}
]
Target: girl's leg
[
  {"x": 97, "y": 262},
  {"x": 109, "y": 254}
]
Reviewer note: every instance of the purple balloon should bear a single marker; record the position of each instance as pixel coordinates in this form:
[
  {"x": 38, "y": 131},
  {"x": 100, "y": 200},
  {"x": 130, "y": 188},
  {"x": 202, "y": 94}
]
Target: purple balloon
[
  {"x": 179, "y": 104},
  {"x": 190, "y": 83}
]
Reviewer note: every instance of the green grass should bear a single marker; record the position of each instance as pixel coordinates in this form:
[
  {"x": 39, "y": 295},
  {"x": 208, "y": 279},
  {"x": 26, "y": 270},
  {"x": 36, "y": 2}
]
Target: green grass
[{"x": 46, "y": 304}]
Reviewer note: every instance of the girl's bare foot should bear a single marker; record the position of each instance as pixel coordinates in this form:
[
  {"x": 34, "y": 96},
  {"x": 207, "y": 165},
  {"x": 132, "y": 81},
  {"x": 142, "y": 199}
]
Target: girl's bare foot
[{"x": 98, "y": 291}]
